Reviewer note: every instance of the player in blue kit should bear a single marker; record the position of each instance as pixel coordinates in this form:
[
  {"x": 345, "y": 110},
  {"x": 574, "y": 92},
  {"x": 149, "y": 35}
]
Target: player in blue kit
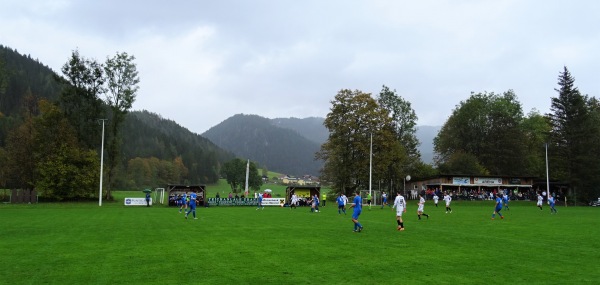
[
  {"x": 341, "y": 204},
  {"x": 383, "y": 200},
  {"x": 498, "y": 207},
  {"x": 192, "y": 210},
  {"x": 183, "y": 203},
  {"x": 551, "y": 203},
  {"x": 260, "y": 205},
  {"x": 315, "y": 203},
  {"x": 505, "y": 201},
  {"x": 357, "y": 205}
]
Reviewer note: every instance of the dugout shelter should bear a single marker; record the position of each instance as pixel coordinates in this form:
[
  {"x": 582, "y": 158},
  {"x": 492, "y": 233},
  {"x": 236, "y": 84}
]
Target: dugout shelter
[
  {"x": 178, "y": 190},
  {"x": 302, "y": 192}
]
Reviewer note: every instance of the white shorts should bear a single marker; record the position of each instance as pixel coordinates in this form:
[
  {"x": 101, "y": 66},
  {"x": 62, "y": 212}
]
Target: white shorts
[
  {"x": 420, "y": 209},
  {"x": 539, "y": 203},
  {"x": 447, "y": 204},
  {"x": 399, "y": 212}
]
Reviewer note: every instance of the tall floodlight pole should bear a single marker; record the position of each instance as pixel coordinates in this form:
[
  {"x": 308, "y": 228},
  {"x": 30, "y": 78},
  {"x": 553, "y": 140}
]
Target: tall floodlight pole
[
  {"x": 371, "y": 164},
  {"x": 407, "y": 178},
  {"x": 101, "y": 164},
  {"x": 547, "y": 175},
  {"x": 247, "y": 176}
]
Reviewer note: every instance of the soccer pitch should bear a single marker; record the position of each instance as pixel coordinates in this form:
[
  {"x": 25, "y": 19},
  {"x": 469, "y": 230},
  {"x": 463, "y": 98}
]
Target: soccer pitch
[{"x": 114, "y": 244}]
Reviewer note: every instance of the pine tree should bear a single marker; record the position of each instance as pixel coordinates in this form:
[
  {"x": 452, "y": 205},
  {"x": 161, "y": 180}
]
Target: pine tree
[{"x": 573, "y": 137}]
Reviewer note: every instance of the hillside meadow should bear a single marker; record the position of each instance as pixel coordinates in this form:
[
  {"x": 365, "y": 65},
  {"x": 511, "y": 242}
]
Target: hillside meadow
[{"x": 82, "y": 243}]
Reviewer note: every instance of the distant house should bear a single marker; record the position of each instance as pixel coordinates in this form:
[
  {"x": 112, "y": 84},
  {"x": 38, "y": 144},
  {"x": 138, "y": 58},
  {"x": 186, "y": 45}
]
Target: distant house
[
  {"x": 293, "y": 181},
  {"x": 305, "y": 180}
]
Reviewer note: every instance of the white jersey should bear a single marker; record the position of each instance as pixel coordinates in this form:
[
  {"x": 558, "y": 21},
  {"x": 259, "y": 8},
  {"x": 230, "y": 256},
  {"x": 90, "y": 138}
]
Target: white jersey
[
  {"x": 345, "y": 199},
  {"x": 294, "y": 199},
  {"x": 435, "y": 198},
  {"x": 399, "y": 204},
  {"x": 540, "y": 200},
  {"x": 421, "y": 204},
  {"x": 447, "y": 198}
]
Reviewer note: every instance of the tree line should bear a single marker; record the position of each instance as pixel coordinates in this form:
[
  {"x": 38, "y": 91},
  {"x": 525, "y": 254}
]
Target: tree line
[
  {"x": 487, "y": 134},
  {"x": 50, "y": 133}
]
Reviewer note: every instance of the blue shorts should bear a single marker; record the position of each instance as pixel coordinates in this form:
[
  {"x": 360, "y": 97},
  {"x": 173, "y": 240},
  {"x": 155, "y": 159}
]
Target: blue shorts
[
  {"x": 340, "y": 206},
  {"x": 355, "y": 214},
  {"x": 192, "y": 206},
  {"x": 498, "y": 209}
]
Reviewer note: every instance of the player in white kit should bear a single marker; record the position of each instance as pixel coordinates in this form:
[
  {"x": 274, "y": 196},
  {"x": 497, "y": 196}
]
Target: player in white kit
[
  {"x": 400, "y": 205},
  {"x": 421, "y": 207}
]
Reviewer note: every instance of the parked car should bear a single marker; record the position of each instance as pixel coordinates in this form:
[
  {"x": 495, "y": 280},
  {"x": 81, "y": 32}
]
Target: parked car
[{"x": 595, "y": 203}]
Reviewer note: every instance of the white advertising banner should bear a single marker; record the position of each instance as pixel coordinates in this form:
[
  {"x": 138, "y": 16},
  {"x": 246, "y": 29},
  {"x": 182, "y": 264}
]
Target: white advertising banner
[
  {"x": 481, "y": 180},
  {"x": 136, "y": 201},
  {"x": 461, "y": 180},
  {"x": 273, "y": 201}
]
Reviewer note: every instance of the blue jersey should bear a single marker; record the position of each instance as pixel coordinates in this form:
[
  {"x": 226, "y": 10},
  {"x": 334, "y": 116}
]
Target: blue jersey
[
  {"x": 183, "y": 198},
  {"x": 551, "y": 201},
  {"x": 193, "y": 197},
  {"x": 498, "y": 203},
  {"x": 340, "y": 201},
  {"x": 357, "y": 203}
]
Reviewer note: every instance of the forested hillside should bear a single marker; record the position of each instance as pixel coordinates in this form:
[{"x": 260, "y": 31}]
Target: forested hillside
[
  {"x": 149, "y": 135},
  {"x": 279, "y": 149},
  {"x": 21, "y": 75},
  {"x": 154, "y": 151},
  {"x": 311, "y": 128}
]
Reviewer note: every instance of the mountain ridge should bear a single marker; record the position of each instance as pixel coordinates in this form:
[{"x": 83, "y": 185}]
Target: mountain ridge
[{"x": 288, "y": 145}]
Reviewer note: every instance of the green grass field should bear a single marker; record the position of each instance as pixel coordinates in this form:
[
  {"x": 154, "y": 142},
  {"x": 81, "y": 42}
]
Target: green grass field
[{"x": 114, "y": 244}]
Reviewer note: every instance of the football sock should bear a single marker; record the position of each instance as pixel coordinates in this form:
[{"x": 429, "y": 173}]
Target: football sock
[
  {"x": 398, "y": 222},
  {"x": 419, "y": 216},
  {"x": 402, "y": 225}
]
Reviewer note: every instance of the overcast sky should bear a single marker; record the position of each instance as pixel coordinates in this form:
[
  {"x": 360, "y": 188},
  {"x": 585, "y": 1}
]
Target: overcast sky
[{"x": 201, "y": 62}]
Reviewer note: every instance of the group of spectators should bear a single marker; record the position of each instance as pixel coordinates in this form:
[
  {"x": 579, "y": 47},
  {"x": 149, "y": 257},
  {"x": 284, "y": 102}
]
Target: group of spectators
[
  {"x": 483, "y": 194},
  {"x": 177, "y": 199}
]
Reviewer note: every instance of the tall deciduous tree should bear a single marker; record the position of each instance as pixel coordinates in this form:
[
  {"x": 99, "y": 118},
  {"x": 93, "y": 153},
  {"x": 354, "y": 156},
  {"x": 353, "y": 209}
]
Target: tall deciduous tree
[
  {"x": 234, "y": 172},
  {"x": 575, "y": 131},
  {"x": 536, "y": 129},
  {"x": 43, "y": 153},
  {"x": 80, "y": 99},
  {"x": 488, "y": 126},
  {"x": 121, "y": 79},
  {"x": 64, "y": 169},
  {"x": 354, "y": 119},
  {"x": 404, "y": 121},
  {"x": 20, "y": 149}
]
